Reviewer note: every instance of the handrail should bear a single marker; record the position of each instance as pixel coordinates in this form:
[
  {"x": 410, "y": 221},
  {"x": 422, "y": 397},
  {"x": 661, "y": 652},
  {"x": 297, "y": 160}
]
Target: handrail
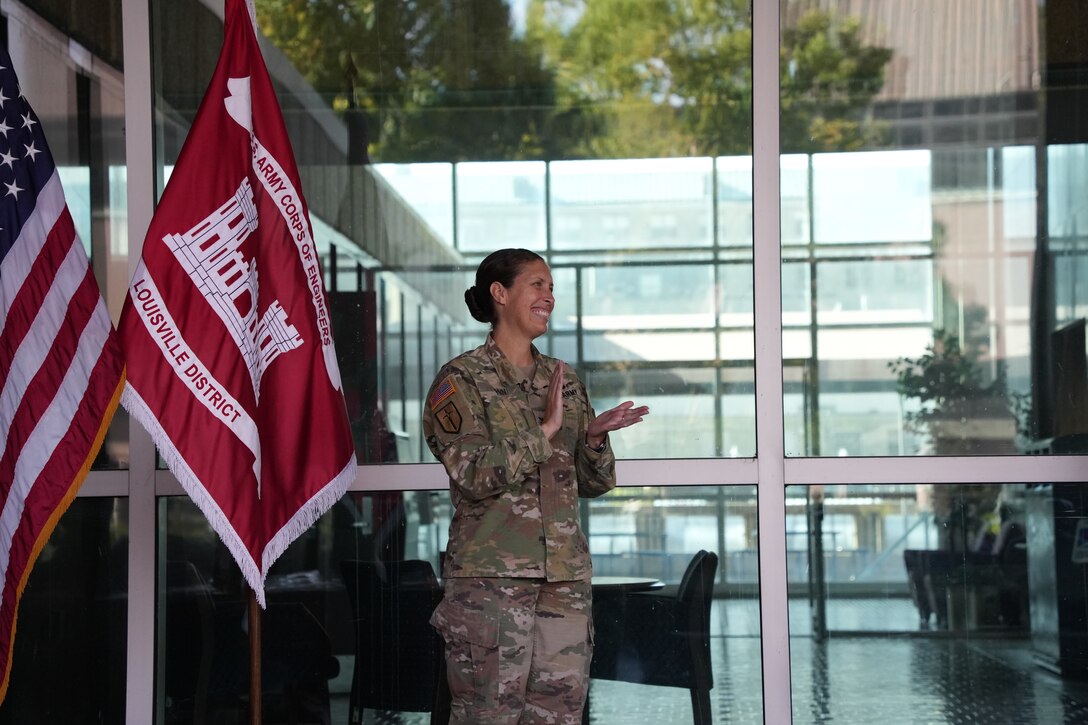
[{"x": 923, "y": 517}]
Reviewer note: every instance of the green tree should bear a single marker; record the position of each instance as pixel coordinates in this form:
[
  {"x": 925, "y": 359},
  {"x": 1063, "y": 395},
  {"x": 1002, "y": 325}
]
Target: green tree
[
  {"x": 955, "y": 387},
  {"x": 452, "y": 80},
  {"x": 829, "y": 78},
  {"x": 437, "y": 80},
  {"x": 674, "y": 77}
]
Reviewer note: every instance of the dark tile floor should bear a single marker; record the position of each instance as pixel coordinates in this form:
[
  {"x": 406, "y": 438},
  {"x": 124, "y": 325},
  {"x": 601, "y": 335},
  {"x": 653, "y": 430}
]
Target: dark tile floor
[{"x": 856, "y": 676}]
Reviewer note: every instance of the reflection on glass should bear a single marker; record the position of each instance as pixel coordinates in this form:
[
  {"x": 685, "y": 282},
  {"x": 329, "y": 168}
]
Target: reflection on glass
[
  {"x": 426, "y": 140},
  {"x": 867, "y": 197},
  {"x": 703, "y": 624},
  {"x": 680, "y": 398},
  {"x": 610, "y": 204},
  {"x": 426, "y": 189},
  {"x": 651, "y": 256},
  {"x": 648, "y": 535},
  {"x": 71, "y": 101},
  {"x": 954, "y": 594},
  {"x": 72, "y": 622},
  {"x": 931, "y": 256},
  {"x": 644, "y": 332},
  {"x": 500, "y": 205}
]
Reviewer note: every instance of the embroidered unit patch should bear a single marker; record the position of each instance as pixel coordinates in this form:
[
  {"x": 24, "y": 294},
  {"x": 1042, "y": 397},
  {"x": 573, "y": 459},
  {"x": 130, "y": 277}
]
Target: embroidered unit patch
[
  {"x": 450, "y": 418},
  {"x": 442, "y": 391}
]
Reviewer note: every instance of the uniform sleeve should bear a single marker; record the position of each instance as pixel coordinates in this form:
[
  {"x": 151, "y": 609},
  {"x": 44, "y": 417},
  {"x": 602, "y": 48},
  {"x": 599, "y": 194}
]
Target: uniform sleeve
[
  {"x": 485, "y": 449},
  {"x": 596, "y": 471}
]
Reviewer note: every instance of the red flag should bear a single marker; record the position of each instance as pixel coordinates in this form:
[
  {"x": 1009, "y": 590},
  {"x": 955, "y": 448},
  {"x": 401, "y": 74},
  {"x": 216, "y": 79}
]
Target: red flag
[
  {"x": 226, "y": 330},
  {"x": 60, "y": 365}
]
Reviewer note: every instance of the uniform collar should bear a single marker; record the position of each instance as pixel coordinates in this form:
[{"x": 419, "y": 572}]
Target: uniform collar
[{"x": 507, "y": 370}]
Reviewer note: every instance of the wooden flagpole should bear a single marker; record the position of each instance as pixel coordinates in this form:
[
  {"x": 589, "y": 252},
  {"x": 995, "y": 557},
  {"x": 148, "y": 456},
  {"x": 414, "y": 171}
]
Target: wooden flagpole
[
  {"x": 254, "y": 659},
  {"x": 254, "y": 607}
]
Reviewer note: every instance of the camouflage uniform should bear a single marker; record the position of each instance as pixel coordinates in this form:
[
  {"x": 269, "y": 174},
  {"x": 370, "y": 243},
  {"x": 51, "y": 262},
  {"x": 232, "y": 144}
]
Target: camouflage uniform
[
  {"x": 516, "y": 615},
  {"x": 517, "y": 649}
]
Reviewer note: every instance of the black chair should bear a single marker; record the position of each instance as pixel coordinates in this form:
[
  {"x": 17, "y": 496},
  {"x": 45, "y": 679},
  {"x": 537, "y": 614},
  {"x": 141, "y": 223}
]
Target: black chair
[
  {"x": 661, "y": 637},
  {"x": 296, "y": 665},
  {"x": 190, "y": 640},
  {"x": 399, "y": 658}
]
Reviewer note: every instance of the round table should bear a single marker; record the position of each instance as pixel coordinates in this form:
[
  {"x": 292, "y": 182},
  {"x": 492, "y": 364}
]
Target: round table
[{"x": 625, "y": 584}]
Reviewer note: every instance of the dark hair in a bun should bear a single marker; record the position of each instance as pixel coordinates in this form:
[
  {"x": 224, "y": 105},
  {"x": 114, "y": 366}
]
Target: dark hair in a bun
[{"x": 500, "y": 266}]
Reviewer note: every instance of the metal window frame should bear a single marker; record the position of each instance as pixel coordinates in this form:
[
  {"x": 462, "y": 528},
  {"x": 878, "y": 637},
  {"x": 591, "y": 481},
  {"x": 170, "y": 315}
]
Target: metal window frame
[{"x": 770, "y": 472}]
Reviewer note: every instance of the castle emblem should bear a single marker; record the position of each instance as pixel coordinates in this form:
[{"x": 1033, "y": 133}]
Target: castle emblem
[{"x": 210, "y": 254}]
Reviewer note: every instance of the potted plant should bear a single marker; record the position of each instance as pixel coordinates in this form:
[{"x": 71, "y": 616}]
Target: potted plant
[{"x": 961, "y": 412}]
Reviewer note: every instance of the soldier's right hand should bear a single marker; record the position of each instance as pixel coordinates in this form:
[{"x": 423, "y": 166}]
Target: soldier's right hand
[{"x": 553, "y": 412}]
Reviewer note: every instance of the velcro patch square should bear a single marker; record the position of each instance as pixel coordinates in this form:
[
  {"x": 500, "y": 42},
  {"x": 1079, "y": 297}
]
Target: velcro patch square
[{"x": 441, "y": 391}]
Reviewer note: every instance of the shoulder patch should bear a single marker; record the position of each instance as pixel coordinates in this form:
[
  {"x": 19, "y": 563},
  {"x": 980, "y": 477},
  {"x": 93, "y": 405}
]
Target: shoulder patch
[
  {"x": 441, "y": 392},
  {"x": 449, "y": 418}
]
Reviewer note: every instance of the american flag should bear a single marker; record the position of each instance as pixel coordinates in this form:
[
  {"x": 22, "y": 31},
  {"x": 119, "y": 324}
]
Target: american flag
[
  {"x": 442, "y": 391},
  {"x": 61, "y": 371}
]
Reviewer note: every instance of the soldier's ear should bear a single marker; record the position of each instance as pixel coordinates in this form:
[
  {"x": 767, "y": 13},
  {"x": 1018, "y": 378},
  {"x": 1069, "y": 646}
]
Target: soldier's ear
[{"x": 498, "y": 293}]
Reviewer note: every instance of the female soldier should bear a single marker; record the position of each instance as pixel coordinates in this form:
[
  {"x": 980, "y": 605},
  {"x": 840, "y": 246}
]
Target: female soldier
[{"x": 516, "y": 433}]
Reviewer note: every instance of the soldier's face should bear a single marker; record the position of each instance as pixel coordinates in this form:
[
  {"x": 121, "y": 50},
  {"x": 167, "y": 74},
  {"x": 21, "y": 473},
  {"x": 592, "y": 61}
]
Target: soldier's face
[{"x": 528, "y": 303}]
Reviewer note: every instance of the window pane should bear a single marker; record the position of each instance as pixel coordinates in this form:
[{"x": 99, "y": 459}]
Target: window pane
[
  {"x": 443, "y": 194},
  {"x": 500, "y": 201},
  {"x": 309, "y": 631},
  {"x": 81, "y": 108},
  {"x": 631, "y": 204},
  {"x": 680, "y": 398},
  {"x": 308, "y": 652},
  {"x": 72, "y": 621},
  {"x": 658, "y": 533},
  {"x": 427, "y": 138},
  {"x": 932, "y": 230},
  {"x": 941, "y": 598}
]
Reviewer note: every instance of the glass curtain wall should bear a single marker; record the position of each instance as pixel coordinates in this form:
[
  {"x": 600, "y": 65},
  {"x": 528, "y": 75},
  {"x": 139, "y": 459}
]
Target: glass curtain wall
[
  {"x": 72, "y": 616},
  {"x": 428, "y": 135},
  {"x": 896, "y": 519},
  {"x": 931, "y": 253},
  {"x": 72, "y": 61}
]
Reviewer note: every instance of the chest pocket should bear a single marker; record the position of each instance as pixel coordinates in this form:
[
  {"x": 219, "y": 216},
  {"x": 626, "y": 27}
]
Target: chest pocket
[{"x": 509, "y": 416}]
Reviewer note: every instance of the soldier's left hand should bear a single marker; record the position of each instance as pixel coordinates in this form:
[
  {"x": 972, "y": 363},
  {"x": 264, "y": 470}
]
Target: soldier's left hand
[{"x": 623, "y": 415}]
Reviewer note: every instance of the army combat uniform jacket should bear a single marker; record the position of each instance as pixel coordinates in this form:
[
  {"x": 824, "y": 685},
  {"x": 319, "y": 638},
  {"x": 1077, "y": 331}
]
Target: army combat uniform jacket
[{"x": 515, "y": 493}]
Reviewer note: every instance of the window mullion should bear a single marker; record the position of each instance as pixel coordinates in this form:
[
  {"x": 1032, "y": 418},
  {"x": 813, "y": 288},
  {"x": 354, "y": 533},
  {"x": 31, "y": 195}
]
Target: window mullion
[
  {"x": 139, "y": 147},
  {"x": 770, "y": 447}
]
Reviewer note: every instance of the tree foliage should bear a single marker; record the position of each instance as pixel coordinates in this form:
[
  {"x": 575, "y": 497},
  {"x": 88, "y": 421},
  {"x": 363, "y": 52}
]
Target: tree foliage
[
  {"x": 949, "y": 382},
  {"x": 436, "y": 79},
  {"x": 454, "y": 80},
  {"x": 659, "y": 77},
  {"x": 674, "y": 77},
  {"x": 829, "y": 79}
]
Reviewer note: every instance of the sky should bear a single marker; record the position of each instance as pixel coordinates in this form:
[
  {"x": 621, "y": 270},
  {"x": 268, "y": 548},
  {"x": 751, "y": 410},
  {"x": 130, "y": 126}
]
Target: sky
[{"x": 517, "y": 14}]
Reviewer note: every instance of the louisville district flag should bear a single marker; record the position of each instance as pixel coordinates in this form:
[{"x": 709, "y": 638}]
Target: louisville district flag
[
  {"x": 60, "y": 364},
  {"x": 225, "y": 328}
]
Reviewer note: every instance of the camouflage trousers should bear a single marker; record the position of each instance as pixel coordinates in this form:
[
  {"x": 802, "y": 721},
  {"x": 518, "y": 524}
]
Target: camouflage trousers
[{"x": 517, "y": 650}]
